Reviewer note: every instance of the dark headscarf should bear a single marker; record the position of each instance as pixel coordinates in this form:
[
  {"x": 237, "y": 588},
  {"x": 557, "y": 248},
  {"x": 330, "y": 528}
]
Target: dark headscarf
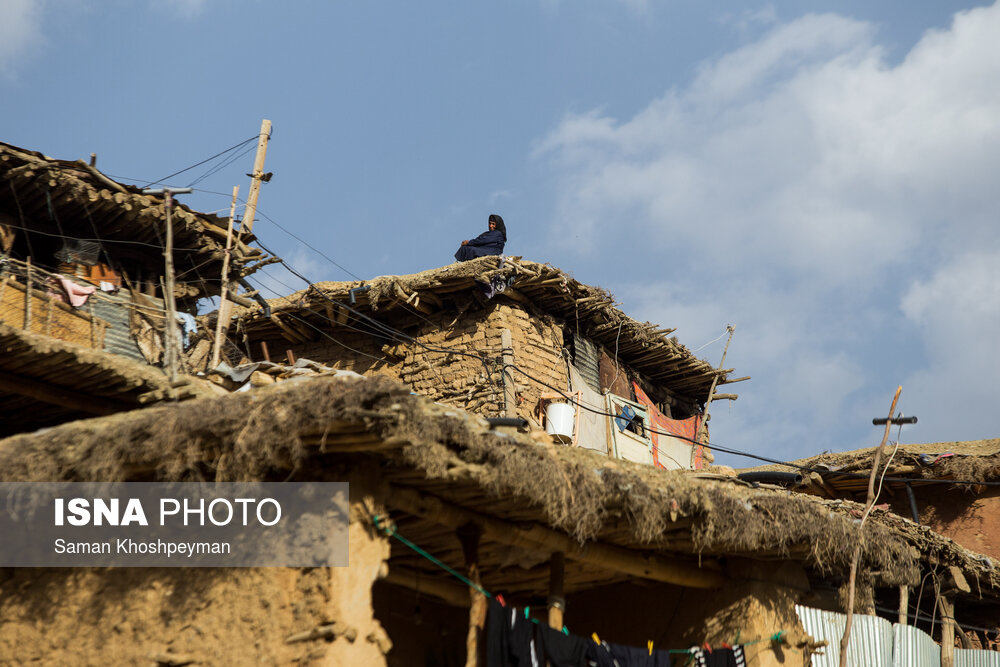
[{"x": 494, "y": 218}]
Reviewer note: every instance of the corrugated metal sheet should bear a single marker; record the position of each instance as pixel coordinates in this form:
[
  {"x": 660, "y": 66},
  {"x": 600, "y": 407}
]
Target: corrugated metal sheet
[
  {"x": 114, "y": 309},
  {"x": 871, "y": 638},
  {"x": 587, "y": 360},
  {"x": 913, "y": 647},
  {"x": 974, "y": 658}
]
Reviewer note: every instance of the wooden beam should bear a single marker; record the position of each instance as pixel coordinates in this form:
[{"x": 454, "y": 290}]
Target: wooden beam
[
  {"x": 469, "y": 535},
  {"x": 454, "y": 594},
  {"x": 67, "y": 398},
  {"x": 557, "y": 595},
  {"x": 540, "y": 538},
  {"x": 947, "y": 606}
]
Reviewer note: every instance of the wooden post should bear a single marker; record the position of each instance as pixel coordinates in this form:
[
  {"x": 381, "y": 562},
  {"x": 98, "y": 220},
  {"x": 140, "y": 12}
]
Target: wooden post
[
  {"x": 947, "y": 631},
  {"x": 263, "y": 349},
  {"x": 27, "y": 298},
  {"x": 169, "y": 339},
  {"x": 904, "y": 604},
  {"x": 93, "y": 323},
  {"x": 225, "y": 306},
  {"x": 258, "y": 172},
  {"x": 557, "y": 595},
  {"x": 852, "y": 579},
  {"x": 469, "y": 535},
  {"x": 507, "y": 354}
]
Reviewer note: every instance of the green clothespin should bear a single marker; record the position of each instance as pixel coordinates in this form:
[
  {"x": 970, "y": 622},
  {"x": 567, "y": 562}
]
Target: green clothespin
[{"x": 565, "y": 630}]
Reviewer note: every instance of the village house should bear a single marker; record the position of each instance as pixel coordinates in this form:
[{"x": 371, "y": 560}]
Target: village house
[
  {"x": 82, "y": 272},
  {"x": 81, "y": 255},
  {"x": 506, "y": 337},
  {"x": 597, "y": 514},
  {"x": 565, "y": 535}
]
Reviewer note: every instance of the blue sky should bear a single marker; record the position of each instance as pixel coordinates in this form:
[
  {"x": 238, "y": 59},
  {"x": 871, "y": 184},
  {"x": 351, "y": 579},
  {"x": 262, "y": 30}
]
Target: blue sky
[{"x": 820, "y": 175}]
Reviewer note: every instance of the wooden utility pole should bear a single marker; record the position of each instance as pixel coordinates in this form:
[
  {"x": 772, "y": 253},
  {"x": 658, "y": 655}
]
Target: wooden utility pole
[
  {"x": 225, "y": 306},
  {"x": 168, "y": 294},
  {"x": 256, "y": 176},
  {"x": 852, "y": 580}
]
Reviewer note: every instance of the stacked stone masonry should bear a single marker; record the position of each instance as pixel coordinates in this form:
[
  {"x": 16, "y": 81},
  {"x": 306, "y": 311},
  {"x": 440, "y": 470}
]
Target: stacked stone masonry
[{"x": 457, "y": 363}]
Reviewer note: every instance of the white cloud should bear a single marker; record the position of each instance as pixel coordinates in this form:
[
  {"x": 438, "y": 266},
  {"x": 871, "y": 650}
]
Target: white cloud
[
  {"x": 796, "y": 187},
  {"x": 186, "y": 9},
  {"x": 20, "y": 32},
  {"x": 958, "y": 310}
]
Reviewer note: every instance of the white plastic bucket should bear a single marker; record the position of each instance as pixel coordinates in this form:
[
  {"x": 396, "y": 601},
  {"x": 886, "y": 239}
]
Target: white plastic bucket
[{"x": 559, "y": 418}]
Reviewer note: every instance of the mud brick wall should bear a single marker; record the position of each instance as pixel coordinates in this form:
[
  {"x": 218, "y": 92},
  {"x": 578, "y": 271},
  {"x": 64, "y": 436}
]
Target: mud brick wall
[{"x": 441, "y": 373}]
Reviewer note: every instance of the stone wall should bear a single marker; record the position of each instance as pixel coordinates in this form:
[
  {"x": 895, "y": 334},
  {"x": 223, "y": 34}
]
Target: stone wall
[{"x": 451, "y": 369}]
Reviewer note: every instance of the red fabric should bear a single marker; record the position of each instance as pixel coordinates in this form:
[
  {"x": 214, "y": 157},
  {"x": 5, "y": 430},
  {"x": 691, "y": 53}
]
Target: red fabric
[{"x": 687, "y": 429}]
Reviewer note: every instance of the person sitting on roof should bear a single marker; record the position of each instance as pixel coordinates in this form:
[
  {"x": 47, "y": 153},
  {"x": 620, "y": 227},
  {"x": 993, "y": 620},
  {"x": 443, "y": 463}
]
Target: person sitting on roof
[{"x": 488, "y": 243}]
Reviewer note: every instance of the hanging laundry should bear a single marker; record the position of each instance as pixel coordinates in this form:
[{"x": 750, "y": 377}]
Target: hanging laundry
[
  {"x": 508, "y": 637},
  {"x": 631, "y": 656},
  {"x": 188, "y": 324},
  {"x": 78, "y": 294},
  {"x": 720, "y": 657},
  {"x": 616, "y": 655},
  {"x": 561, "y": 650}
]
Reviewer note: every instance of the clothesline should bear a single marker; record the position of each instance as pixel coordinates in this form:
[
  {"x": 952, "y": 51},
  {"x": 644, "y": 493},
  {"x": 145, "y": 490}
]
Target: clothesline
[{"x": 389, "y": 529}]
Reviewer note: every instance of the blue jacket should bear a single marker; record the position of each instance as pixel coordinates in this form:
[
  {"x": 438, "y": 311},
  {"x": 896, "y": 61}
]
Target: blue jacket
[{"x": 487, "y": 243}]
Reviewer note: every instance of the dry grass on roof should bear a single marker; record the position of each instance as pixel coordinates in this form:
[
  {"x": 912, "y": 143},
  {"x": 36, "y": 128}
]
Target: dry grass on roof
[
  {"x": 591, "y": 311},
  {"x": 974, "y": 460},
  {"x": 271, "y": 434}
]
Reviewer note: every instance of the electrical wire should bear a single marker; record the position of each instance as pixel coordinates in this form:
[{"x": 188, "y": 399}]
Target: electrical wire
[
  {"x": 219, "y": 167},
  {"x": 198, "y": 164}
]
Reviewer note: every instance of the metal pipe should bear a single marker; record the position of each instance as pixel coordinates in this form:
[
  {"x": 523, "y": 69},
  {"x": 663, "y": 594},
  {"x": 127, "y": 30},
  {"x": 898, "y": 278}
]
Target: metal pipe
[
  {"x": 519, "y": 422},
  {"x": 354, "y": 290},
  {"x": 767, "y": 477}
]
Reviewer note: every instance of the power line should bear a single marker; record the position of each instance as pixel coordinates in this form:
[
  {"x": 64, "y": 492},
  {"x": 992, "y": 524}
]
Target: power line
[{"x": 198, "y": 164}]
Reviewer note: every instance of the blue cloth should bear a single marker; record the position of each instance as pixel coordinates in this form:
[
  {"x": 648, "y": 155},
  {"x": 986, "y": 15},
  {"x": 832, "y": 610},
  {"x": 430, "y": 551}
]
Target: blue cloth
[{"x": 487, "y": 243}]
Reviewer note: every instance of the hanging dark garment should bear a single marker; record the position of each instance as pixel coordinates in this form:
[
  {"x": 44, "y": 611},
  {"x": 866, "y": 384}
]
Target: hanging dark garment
[
  {"x": 720, "y": 657},
  {"x": 561, "y": 650},
  {"x": 487, "y": 243},
  {"x": 632, "y": 656},
  {"x": 508, "y": 637}
]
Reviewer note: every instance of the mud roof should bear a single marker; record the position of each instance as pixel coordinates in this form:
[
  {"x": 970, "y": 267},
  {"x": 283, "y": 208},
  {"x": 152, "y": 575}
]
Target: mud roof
[
  {"x": 593, "y": 311},
  {"x": 969, "y": 461},
  {"x": 74, "y": 199},
  {"x": 440, "y": 467},
  {"x": 45, "y": 381}
]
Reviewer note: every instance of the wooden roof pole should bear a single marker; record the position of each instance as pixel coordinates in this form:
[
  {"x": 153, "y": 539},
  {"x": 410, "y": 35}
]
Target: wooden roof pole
[
  {"x": 540, "y": 538},
  {"x": 225, "y": 306},
  {"x": 703, "y": 430},
  {"x": 256, "y": 177}
]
